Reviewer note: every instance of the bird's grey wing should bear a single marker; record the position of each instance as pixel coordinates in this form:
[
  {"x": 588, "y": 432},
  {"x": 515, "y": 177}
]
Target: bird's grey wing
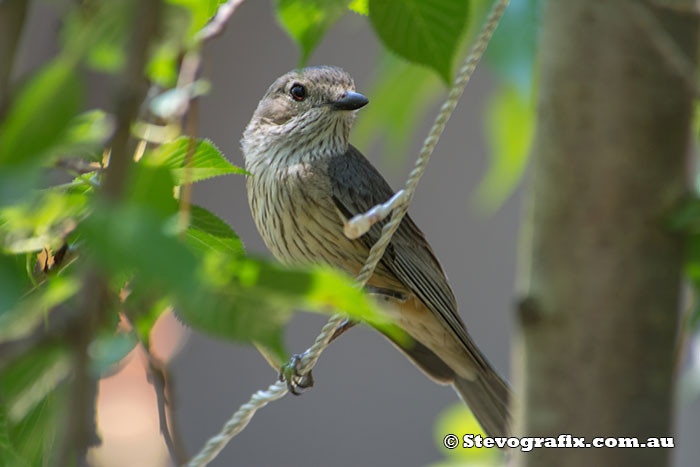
[{"x": 357, "y": 187}]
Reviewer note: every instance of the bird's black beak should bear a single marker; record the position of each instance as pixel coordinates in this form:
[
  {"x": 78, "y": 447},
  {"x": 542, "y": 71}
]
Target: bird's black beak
[{"x": 350, "y": 101}]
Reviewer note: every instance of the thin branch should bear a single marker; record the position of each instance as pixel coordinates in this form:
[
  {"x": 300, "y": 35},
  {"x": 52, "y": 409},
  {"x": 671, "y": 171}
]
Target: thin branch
[
  {"x": 217, "y": 25},
  {"x": 159, "y": 377}
]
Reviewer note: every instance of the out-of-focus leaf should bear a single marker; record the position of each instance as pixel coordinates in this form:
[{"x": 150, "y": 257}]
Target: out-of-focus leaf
[
  {"x": 152, "y": 187},
  {"x": 11, "y": 287},
  {"x": 209, "y": 232},
  {"x": 42, "y": 220},
  {"x": 512, "y": 50},
  {"x": 28, "y": 380},
  {"x": 35, "y": 402},
  {"x": 201, "y": 12},
  {"x": 85, "y": 136},
  {"x": 308, "y": 20},
  {"x": 427, "y": 32},
  {"x": 146, "y": 319},
  {"x": 399, "y": 97},
  {"x": 9, "y": 457},
  {"x": 40, "y": 113},
  {"x": 458, "y": 420},
  {"x": 168, "y": 104},
  {"x": 332, "y": 291},
  {"x": 686, "y": 219},
  {"x": 33, "y": 309},
  {"x": 360, "y": 6},
  {"x": 129, "y": 238},
  {"x": 511, "y": 127},
  {"x": 100, "y": 32},
  {"x": 162, "y": 67},
  {"x": 108, "y": 350},
  {"x": 207, "y": 161}
]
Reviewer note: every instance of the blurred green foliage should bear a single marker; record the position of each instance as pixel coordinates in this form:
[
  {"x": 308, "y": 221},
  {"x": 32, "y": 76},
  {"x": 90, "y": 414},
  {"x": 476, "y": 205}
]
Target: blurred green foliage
[{"x": 458, "y": 420}]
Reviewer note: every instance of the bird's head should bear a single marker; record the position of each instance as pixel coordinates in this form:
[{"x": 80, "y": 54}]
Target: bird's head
[{"x": 307, "y": 109}]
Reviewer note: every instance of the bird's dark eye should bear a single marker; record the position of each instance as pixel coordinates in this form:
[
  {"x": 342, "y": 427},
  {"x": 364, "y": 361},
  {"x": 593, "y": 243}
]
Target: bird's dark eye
[{"x": 298, "y": 92}]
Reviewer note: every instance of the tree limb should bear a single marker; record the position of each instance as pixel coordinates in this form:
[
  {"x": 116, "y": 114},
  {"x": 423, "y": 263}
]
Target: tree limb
[{"x": 595, "y": 346}]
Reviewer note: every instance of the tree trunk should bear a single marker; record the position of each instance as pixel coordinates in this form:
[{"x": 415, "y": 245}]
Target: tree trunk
[{"x": 594, "y": 354}]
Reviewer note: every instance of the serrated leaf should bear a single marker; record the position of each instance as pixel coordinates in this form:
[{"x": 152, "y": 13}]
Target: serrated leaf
[
  {"x": 308, "y": 20},
  {"x": 510, "y": 128},
  {"x": 427, "y": 32},
  {"x": 207, "y": 232},
  {"x": 207, "y": 161}
]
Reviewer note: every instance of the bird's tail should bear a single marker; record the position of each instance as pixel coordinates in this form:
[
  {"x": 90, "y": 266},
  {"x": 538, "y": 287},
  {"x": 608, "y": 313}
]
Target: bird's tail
[{"x": 487, "y": 396}]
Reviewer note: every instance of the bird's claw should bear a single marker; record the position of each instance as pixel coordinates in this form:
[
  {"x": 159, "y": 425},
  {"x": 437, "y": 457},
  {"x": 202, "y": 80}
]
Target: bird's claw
[{"x": 290, "y": 373}]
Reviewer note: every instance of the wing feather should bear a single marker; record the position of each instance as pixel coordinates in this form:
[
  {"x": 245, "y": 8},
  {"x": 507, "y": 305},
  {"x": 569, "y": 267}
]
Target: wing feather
[{"x": 357, "y": 187}]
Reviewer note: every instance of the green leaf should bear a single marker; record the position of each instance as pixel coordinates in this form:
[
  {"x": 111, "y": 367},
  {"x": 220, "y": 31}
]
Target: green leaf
[
  {"x": 513, "y": 48},
  {"x": 359, "y": 6},
  {"x": 108, "y": 350},
  {"x": 207, "y": 161},
  {"x": 85, "y": 136},
  {"x": 11, "y": 286},
  {"x": 511, "y": 127},
  {"x": 127, "y": 238},
  {"x": 9, "y": 457},
  {"x": 306, "y": 21},
  {"x": 36, "y": 404},
  {"x": 200, "y": 11},
  {"x": 207, "y": 232},
  {"x": 40, "y": 114},
  {"x": 34, "y": 308},
  {"x": 44, "y": 219},
  {"x": 391, "y": 116},
  {"x": 458, "y": 419},
  {"x": 427, "y": 32},
  {"x": 152, "y": 187},
  {"x": 28, "y": 380}
]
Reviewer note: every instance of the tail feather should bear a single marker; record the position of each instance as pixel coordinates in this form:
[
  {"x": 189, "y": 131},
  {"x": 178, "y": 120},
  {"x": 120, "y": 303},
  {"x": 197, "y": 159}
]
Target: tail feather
[{"x": 487, "y": 396}]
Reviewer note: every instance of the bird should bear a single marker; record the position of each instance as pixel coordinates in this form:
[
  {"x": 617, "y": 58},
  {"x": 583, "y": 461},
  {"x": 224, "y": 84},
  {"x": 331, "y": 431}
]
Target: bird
[{"x": 306, "y": 181}]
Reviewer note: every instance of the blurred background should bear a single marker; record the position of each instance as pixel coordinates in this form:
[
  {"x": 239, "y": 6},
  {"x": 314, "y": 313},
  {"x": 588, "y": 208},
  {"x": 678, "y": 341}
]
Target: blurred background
[{"x": 369, "y": 406}]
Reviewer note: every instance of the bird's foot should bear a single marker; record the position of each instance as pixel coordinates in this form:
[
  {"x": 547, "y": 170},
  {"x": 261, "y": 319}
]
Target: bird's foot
[{"x": 290, "y": 373}]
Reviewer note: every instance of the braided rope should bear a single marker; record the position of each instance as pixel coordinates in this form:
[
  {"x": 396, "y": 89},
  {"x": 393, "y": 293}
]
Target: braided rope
[{"x": 261, "y": 398}]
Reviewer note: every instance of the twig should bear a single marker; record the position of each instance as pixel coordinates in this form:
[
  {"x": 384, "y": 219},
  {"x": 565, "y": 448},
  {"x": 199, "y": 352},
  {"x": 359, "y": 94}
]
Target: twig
[
  {"x": 159, "y": 376},
  {"x": 243, "y": 415}
]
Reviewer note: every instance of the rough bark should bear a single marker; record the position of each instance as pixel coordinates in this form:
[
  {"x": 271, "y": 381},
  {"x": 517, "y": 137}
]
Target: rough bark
[{"x": 598, "y": 324}]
